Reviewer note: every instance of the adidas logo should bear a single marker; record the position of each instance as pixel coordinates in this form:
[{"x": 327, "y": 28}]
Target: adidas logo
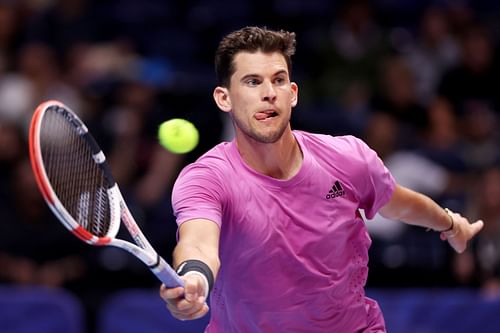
[{"x": 336, "y": 191}]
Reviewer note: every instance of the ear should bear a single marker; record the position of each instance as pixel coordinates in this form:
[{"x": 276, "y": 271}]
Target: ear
[
  {"x": 222, "y": 99},
  {"x": 295, "y": 92}
]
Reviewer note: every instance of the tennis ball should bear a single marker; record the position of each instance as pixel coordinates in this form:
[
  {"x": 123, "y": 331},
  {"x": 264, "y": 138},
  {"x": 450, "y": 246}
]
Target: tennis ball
[{"x": 178, "y": 135}]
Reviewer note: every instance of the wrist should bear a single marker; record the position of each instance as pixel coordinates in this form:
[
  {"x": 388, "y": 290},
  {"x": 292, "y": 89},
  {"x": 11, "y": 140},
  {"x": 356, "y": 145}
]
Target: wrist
[
  {"x": 452, "y": 221},
  {"x": 198, "y": 267},
  {"x": 206, "y": 285},
  {"x": 451, "y": 225},
  {"x": 452, "y": 230}
]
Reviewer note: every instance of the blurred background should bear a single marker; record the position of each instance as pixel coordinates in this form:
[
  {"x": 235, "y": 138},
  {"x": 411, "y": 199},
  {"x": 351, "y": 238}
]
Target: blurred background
[{"x": 417, "y": 80}]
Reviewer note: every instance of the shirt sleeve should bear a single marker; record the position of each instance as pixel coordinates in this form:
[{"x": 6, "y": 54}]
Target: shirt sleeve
[
  {"x": 374, "y": 183},
  {"x": 197, "y": 194}
]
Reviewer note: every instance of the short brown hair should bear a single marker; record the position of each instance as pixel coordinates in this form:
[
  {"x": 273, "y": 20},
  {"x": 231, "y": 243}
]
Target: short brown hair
[{"x": 251, "y": 39}]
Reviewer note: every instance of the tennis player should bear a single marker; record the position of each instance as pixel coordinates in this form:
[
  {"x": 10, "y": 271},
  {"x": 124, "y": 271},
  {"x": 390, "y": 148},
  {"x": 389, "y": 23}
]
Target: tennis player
[{"x": 270, "y": 223}]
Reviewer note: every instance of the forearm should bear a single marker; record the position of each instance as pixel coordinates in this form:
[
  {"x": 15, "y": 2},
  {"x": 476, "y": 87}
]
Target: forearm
[
  {"x": 417, "y": 209},
  {"x": 198, "y": 240},
  {"x": 196, "y": 259},
  {"x": 188, "y": 251}
]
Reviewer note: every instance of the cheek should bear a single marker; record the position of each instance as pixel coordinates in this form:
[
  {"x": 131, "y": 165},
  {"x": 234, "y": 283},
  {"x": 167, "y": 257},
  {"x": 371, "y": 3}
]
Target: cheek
[
  {"x": 286, "y": 94},
  {"x": 243, "y": 102}
]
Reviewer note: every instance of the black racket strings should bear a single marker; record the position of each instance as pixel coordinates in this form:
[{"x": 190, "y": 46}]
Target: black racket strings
[{"x": 76, "y": 178}]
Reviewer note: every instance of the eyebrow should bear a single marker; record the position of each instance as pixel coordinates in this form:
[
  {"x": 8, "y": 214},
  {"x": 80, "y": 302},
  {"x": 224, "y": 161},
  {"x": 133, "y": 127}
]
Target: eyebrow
[{"x": 251, "y": 76}]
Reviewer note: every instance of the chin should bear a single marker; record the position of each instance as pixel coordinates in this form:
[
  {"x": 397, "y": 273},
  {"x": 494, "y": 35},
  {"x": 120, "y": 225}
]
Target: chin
[{"x": 269, "y": 136}]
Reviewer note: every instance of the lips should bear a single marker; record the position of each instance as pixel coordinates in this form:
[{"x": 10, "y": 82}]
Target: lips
[{"x": 263, "y": 115}]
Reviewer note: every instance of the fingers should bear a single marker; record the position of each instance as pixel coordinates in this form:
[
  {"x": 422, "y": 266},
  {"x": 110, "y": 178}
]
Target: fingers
[
  {"x": 459, "y": 246},
  {"x": 188, "y": 310},
  {"x": 186, "y": 303},
  {"x": 465, "y": 231},
  {"x": 476, "y": 227},
  {"x": 191, "y": 289},
  {"x": 170, "y": 293}
]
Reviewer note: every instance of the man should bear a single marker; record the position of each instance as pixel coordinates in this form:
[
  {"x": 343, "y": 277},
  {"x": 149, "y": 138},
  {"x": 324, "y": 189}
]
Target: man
[{"x": 273, "y": 216}]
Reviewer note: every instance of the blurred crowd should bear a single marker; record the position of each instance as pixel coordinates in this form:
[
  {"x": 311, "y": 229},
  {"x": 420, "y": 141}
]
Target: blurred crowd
[{"x": 417, "y": 80}]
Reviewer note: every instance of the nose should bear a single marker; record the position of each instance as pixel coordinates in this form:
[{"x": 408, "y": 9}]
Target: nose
[{"x": 268, "y": 92}]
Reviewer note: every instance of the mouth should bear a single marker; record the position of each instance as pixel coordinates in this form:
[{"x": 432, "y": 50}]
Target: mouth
[{"x": 265, "y": 115}]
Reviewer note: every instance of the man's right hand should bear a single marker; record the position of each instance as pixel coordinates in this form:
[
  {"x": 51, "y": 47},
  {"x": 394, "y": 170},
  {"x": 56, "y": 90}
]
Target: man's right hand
[{"x": 188, "y": 302}]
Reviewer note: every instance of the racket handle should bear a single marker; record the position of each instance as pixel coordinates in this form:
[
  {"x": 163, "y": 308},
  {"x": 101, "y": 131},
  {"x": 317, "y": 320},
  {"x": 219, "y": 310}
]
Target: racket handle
[{"x": 167, "y": 275}]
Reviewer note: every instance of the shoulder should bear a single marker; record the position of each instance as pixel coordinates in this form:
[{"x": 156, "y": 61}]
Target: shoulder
[
  {"x": 346, "y": 152},
  {"x": 215, "y": 160},
  {"x": 341, "y": 144},
  {"x": 208, "y": 171}
]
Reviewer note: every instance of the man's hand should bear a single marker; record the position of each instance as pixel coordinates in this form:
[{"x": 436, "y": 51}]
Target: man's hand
[
  {"x": 462, "y": 232},
  {"x": 186, "y": 303}
]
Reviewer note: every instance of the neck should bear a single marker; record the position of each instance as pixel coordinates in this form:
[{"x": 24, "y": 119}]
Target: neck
[{"x": 281, "y": 159}]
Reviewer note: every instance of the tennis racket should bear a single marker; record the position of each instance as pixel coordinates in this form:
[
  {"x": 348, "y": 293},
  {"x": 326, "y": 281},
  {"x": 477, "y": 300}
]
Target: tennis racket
[{"x": 76, "y": 182}]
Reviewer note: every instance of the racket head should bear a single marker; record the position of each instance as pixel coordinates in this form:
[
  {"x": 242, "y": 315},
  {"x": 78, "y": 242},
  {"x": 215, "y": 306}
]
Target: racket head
[{"x": 72, "y": 174}]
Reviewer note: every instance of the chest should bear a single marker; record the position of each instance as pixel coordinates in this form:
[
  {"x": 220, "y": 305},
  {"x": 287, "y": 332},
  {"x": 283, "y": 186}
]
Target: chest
[{"x": 310, "y": 213}]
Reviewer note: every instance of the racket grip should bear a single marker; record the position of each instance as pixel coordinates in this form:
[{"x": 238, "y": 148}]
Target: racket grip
[{"x": 167, "y": 275}]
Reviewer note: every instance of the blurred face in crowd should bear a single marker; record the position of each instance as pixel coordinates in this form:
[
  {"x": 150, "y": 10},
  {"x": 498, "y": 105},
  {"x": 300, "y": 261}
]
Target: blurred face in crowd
[{"x": 477, "y": 50}]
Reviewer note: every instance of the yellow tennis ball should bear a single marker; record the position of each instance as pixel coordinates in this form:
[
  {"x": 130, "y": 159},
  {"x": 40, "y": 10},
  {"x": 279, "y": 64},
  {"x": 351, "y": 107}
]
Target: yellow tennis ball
[{"x": 178, "y": 135}]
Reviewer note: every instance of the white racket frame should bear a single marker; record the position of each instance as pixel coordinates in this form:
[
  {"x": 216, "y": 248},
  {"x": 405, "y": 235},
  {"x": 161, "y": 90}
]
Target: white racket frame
[{"x": 118, "y": 208}]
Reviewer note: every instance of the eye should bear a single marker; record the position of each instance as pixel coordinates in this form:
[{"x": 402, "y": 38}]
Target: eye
[
  {"x": 280, "y": 80},
  {"x": 252, "y": 82}
]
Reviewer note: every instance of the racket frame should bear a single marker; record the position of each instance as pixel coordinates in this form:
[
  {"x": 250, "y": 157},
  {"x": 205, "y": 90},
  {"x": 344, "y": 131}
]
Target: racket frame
[{"x": 119, "y": 211}]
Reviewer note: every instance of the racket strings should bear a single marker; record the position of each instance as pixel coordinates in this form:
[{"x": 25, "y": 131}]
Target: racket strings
[{"x": 76, "y": 178}]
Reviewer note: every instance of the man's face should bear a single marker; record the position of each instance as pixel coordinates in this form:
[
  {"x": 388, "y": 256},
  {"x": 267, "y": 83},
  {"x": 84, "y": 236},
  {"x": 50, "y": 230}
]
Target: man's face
[{"x": 261, "y": 96}]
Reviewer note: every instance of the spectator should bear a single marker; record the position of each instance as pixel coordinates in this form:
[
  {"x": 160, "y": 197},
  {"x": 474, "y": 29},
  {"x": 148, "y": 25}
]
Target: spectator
[
  {"x": 481, "y": 264},
  {"x": 471, "y": 87},
  {"x": 433, "y": 51},
  {"x": 397, "y": 118}
]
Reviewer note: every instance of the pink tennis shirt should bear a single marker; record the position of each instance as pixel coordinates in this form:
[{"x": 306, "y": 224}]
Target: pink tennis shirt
[{"x": 294, "y": 253}]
